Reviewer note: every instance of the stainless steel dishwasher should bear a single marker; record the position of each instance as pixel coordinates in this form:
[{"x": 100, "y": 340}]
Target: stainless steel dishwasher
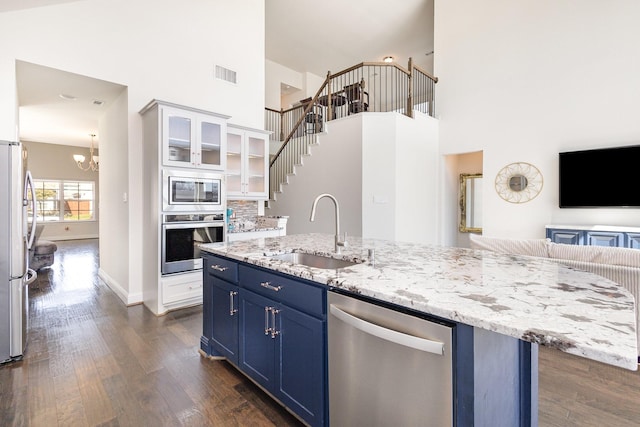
[{"x": 387, "y": 368}]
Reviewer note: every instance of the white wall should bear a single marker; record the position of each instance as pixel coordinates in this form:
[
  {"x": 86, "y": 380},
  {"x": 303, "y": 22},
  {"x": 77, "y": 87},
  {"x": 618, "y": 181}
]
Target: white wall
[
  {"x": 379, "y": 168},
  {"x": 114, "y": 164},
  {"x": 340, "y": 148},
  {"x": 400, "y": 185},
  {"x": 416, "y": 179},
  {"x": 522, "y": 81},
  {"x": 53, "y": 161},
  {"x": 276, "y": 74},
  {"x": 157, "y": 48},
  {"x": 382, "y": 168}
]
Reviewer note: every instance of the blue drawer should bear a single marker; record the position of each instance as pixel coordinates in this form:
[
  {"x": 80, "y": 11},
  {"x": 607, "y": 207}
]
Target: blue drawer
[
  {"x": 223, "y": 268},
  {"x": 297, "y": 294}
]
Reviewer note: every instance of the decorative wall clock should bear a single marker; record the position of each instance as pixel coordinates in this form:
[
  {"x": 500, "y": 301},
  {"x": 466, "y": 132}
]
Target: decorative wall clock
[{"x": 518, "y": 182}]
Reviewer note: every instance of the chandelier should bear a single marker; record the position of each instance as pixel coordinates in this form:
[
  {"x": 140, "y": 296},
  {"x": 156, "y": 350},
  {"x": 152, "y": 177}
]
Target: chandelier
[{"x": 93, "y": 159}]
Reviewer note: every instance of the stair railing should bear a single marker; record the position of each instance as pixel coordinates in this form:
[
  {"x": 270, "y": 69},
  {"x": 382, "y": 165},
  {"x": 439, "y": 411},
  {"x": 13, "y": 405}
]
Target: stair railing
[
  {"x": 365, "y": 87},
  {"x": 296, "y": 144}
]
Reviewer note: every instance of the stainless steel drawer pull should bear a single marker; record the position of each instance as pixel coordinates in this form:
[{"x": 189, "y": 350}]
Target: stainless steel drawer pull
[
  {"x": 232, "y": 309},
  {"x": 400, "y": 338},
  {"x": 274, "y": 332},
  {"x": 267, "y": 329},
  {"x": 219, "y": 268},
  {"x": 268, "y": 285}
]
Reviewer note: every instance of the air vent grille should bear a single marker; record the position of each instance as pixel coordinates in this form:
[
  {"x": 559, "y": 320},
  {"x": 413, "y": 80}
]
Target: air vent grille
[{"x": 225, "y": 74}]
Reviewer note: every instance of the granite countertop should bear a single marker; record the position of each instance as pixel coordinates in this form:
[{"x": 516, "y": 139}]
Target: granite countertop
[
  {"x": 251, "y": 229},
  {"x": 532, "y": 299}
]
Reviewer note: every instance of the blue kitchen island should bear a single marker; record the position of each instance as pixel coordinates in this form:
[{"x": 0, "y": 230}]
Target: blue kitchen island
[{"x": 268, "y": 317}]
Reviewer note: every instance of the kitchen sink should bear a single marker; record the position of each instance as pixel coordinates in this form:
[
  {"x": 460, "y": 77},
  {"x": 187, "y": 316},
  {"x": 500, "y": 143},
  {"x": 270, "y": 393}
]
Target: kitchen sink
[{"x": 316, "y": 261}]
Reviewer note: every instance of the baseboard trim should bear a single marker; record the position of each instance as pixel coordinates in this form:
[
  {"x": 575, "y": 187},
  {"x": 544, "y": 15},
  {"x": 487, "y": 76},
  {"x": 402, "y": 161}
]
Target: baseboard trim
[
  {"x": 68, "y": 237},
  {"x": 127, "y": 298}
]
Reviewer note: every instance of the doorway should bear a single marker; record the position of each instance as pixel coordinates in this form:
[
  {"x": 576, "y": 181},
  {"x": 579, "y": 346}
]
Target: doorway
[{"x": 58, "y": 113}]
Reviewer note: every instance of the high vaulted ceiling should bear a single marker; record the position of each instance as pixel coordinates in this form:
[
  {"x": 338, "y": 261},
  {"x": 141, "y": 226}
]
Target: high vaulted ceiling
[
  {"x": 304, "y": 35},
  {"x": 307, "y": 35}
]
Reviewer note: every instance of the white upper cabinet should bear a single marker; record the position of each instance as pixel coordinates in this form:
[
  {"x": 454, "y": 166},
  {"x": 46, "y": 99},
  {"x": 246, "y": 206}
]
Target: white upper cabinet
[
  {"x": 193, "y": 139},
  {"x": 247, "y": 163}
]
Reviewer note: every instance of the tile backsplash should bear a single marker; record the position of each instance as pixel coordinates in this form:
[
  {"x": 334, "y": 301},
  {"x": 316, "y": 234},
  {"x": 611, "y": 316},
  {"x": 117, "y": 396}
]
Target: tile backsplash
[{"x": 243, "y": 208}]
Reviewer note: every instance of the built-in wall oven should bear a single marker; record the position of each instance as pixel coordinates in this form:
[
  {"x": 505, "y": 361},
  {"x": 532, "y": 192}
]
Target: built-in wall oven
[
  {"x": 181, "y": 234},
  {"x": 189, "y": 191}
]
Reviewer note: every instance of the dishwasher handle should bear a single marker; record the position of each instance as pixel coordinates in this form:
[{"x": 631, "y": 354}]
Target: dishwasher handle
[{"x": 400, "y": 338}]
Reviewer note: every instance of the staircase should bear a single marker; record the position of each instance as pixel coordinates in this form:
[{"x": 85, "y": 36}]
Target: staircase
[
  {"x": 290, "y": 157},
  {"x": 383, "y": 87}
]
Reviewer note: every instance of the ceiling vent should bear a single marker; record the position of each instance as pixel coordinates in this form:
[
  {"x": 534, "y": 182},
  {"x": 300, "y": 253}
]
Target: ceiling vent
[{"x": 225, "y": 74}]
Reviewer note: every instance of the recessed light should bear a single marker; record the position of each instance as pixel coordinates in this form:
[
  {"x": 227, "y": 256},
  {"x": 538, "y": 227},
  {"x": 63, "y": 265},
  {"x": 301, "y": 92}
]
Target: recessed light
[
  {"x": 67, "y": 97},
  {"x": 388, "y": 59}
]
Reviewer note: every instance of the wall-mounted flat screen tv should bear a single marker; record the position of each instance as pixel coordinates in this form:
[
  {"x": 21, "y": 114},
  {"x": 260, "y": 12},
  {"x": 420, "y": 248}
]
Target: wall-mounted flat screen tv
[{"x": 600, "y": 178}]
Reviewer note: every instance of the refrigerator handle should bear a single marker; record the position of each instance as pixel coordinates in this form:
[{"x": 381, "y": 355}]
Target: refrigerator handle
[
  {"x": 28, "y": 186},
  {"x": 32, "y": 275}
]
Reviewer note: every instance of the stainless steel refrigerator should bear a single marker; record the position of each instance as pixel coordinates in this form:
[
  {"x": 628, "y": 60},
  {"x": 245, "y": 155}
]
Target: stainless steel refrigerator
[{"x": 17, "y": 232}]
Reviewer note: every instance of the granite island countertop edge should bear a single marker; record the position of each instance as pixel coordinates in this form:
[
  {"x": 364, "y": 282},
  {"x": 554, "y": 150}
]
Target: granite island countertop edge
[{"x": 533, "y": 299}]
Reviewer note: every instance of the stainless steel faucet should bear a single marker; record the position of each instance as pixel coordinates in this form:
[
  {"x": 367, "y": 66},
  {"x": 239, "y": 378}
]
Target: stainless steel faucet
[{"x": 338, "y": 243}]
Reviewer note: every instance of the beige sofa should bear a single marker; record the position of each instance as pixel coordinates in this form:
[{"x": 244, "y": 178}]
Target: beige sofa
[{"x": 620, "y": 265}]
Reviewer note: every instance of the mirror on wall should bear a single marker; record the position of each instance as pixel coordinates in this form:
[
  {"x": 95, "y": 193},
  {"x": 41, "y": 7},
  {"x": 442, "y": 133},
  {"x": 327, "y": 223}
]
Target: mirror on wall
[{"x": 470, "y": 203}]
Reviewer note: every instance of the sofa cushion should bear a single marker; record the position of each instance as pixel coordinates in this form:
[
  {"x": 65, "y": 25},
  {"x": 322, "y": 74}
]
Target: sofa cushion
[
  {"x": 530, "y": 247},
  {"x": 596, "y": 254}
]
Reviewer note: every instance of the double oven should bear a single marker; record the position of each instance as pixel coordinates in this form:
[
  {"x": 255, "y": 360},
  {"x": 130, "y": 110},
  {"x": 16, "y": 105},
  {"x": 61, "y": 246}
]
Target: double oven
[{"x": 193, "y": 209}]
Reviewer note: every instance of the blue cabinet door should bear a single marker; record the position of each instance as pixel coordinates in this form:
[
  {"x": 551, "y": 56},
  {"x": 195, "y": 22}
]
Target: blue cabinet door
[
  {"x": 605, "y": 238},
  {"x": 224, "y": 319},
  {"x": 302, "y": 378},
  {"x": 568, "y": 237},
  {"x": 633, "y": 240},
  {"x": 257, "y": 345}
]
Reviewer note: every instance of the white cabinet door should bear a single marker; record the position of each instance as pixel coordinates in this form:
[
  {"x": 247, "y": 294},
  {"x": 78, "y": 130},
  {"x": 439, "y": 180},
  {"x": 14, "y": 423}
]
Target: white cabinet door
[
  {"x": 247, "y": 163},
  {"x": 211, "y": 139},
  {"x": 192, "y": 139},
  {"x": 178, "y": 137}
]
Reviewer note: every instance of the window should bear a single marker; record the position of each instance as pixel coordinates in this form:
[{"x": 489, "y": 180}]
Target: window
[{"x": 65, "y": 200}]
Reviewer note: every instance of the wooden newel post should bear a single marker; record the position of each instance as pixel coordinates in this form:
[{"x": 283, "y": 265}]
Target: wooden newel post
[
  {"x": 281, "y": 124},
  {"x": 329, "y": 103},
  {"x": 410, "y": 92}
]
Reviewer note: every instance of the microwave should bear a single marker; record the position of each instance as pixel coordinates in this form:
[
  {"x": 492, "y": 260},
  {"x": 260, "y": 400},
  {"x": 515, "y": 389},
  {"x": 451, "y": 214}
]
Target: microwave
[{"x": 186, "y": 191}]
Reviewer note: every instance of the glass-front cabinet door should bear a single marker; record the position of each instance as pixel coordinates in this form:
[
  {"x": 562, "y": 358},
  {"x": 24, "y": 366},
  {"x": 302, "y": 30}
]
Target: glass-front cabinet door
[
  {"x": 235, "y": 140},
  {"x": 247, "y": 163},
  {"x": 193, "y": 139},
  {"x": 179, "y": 140},
  {"x": 256, "y": 165},
  {"x": 210, "y": 143}
]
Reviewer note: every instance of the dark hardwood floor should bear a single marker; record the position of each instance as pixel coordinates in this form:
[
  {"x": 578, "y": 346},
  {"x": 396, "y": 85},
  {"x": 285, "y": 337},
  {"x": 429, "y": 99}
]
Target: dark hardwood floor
[
  {"x": 91, "y": 361},
  {"x": 577, "y": 392}
]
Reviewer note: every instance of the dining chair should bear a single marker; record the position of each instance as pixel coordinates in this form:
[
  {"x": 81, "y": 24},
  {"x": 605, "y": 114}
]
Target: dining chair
[
  {"x": 313, "y": 118},
  {"x": 357, "y": 97}
]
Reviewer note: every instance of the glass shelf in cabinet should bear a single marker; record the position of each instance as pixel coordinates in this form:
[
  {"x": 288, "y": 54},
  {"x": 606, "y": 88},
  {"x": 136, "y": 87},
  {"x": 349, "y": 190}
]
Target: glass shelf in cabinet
[
  {"x": 209, "y": 146},
  {"x": 179, "y": 143}
]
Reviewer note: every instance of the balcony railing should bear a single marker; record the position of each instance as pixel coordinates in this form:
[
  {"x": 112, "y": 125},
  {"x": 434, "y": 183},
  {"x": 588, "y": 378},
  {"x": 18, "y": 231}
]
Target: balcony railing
[{"x": 366, "y": 87}]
